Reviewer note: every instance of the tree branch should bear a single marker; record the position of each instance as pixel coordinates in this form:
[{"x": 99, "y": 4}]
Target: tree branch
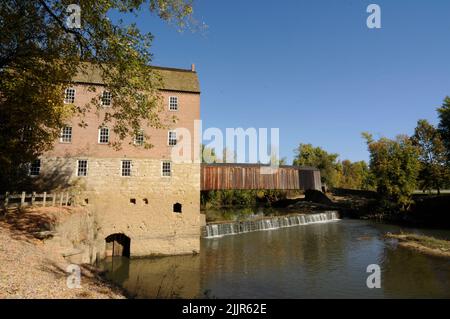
[{"x": 62, "y": 26}]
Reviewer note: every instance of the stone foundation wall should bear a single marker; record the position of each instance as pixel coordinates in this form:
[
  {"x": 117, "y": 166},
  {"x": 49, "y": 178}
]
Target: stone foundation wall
[{"x": 150, "y": 222}]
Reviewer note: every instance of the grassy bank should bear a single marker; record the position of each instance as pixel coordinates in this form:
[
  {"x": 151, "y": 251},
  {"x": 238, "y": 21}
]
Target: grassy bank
[{"x": 424, "y": 244}]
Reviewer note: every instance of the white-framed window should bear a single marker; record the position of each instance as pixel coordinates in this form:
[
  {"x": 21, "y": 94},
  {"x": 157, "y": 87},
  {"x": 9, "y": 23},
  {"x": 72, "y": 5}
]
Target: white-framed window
[
  {"x": 66, "y": 135},
  {"x": 106, "y": 98},
  {"x": 173, "y": 103},
  {"x": 26, "y": 133},
  {"x": 126, "y": 168},
  {"x": 69, "y": 96},
  {"x": 103, "y": 135},
  {"x": 139, "y": 138},
  {"x": 172, "y": 138},
  {"x": 82, "y": 169},
  {"x": 35, "y": 168},
  {"x": 166, "y": 168}
]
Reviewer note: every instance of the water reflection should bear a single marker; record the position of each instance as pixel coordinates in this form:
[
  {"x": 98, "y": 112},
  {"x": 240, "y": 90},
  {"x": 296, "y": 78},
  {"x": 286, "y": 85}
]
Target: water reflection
[
  {"x": 429, "y": 278},
  {"x": 170, "y": 277},
  {"x": 313, "y": 261}
]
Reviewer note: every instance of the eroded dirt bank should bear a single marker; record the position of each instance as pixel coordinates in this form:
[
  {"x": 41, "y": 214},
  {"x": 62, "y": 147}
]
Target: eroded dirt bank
[{"x": 32, "y": 263}]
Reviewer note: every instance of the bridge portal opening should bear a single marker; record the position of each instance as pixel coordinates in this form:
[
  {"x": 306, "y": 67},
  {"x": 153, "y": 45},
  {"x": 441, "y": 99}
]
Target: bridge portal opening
[{"x": 118, "y": 245}]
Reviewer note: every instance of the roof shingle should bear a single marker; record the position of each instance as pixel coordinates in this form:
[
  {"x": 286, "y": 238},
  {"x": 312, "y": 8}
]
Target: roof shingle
[{"x": 172, "y": 79}]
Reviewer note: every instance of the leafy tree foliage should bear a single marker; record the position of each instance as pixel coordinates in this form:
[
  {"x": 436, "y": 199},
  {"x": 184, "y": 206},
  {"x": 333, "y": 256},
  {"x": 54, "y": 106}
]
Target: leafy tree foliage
[
  {"x": 40, "y": 54},
  {"x": 444, "y": 126},
  {"x": 395, "y": 167},
  {"x": 308, "y": 155},
  {"x": 334, "y": 173},
  {"x": 354, "y": 175},
  {"x": 433, "y": 171}
]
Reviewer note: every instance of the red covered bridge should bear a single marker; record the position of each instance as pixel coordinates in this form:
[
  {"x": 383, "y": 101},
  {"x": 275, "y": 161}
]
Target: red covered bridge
[{"x": 256, "y": 176}]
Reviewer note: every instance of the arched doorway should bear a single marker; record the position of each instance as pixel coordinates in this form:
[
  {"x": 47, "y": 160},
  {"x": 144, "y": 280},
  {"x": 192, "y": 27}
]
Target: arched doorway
[{"x": 118, "y": 245}]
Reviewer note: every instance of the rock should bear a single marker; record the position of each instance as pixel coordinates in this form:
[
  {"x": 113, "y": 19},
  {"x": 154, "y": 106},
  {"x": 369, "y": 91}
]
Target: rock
[
  {"x": 316, "y": 196},
  {"x": 44, "y": 234}
]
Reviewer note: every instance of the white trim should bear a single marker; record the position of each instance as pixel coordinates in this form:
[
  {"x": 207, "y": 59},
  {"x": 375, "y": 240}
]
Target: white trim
[
  {"x": 40, "y": 167},
  {"x": 171, "y": 170},
  {"x": 143, "y": 139},
  {"x": 168, "y": 138},
  {"x": 178, "y": 103},
  {"x": 101, "y": 99},
  {"x": 61, "y": 135},
  {"x": 99, "y": 131},
  {"x": 78, "y": 167},
  {"x": 74, "y": 95},
  {"x": 121, "y": 168}
]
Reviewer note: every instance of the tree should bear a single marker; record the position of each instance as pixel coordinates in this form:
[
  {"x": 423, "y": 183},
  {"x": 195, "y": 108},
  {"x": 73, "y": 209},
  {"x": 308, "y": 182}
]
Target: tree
[
  {"x": 354, "y": 175},
  {"x": 444, "y": 126},
  {"x": 433, "y": 172},
  {"x": 308, "y": 155},
  {"x": 395, "y": 167},
  {"x": 208, "y": 155},
  {"x": 41, "y": 54}
]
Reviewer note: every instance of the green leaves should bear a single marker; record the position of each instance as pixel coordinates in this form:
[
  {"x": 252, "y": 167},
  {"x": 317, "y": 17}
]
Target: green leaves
[
  {"x": 444, "y": 125},
  {"x": 308, "y": 155},
  {"x": 432, "y": 155},
  {"x": 395, "y": 166},
  {"x": 40, "y": 55},
  {"x": 334, "y": 173}
]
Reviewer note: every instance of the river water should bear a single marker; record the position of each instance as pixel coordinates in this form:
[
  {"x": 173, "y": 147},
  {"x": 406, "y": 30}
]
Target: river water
[{"x": 320, "y": 260}]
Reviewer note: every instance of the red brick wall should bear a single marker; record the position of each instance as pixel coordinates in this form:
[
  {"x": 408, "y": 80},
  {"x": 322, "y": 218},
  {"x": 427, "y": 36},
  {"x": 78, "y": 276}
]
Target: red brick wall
[{"x": 85, "y": 140}]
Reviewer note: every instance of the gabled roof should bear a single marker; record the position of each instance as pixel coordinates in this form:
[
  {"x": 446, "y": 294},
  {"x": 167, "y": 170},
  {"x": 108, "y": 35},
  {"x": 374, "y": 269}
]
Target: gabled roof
[
  {"x": 179, "y": 79},
  {"x": 173, "y": 79}
]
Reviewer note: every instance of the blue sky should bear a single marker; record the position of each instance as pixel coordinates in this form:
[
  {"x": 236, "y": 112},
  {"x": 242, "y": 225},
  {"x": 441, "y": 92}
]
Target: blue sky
[{"x": 313, "y": 68}]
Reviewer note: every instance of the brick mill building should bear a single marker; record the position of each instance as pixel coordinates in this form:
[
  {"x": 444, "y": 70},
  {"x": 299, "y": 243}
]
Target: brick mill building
[{"x": 143, "y": 203}]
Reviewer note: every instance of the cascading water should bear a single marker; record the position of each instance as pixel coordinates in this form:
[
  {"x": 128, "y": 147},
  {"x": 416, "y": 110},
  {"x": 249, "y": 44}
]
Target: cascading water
[{"x": 234, "y": 228}]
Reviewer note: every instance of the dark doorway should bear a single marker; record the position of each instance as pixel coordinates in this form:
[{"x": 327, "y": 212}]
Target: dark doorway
[{"x": 118, "y": 245}]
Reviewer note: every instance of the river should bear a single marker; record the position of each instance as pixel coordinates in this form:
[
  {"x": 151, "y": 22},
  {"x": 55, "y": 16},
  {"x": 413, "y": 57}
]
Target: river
[{"x": 319, "y": 260}]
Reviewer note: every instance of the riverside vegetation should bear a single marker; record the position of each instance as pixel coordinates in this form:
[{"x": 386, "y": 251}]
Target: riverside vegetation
[
  {"x": 383, "y": 189},
  {"x": 397, "y": 169}
]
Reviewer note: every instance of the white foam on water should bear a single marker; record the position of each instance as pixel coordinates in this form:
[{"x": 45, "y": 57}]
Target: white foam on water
[{"x": 267, "y": 224}]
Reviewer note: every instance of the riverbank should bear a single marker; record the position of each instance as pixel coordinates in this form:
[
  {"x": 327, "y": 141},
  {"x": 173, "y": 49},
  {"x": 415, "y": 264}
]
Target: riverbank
[
  {"x": 426, "y": 211},
  {"x": 424, "y": 244},
  {"x": 34, "y": 268}
]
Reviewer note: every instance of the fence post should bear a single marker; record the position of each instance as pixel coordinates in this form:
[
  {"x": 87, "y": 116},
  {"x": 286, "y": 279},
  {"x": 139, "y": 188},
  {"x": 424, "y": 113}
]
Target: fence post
[
  {"x": 44, "y": 199},
  {"x": 61, "y": 199},
  {"x": 22, "y": 199},
  {"x": 67, "y": 198},
  {"x": 33, "y": 198},
  {"x": 54, "y": 199},
  {"x": 5, "y": 203}
]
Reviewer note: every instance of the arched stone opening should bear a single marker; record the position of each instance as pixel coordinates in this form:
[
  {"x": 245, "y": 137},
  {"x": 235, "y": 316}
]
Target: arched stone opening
[{"x": 118, "y": 245}]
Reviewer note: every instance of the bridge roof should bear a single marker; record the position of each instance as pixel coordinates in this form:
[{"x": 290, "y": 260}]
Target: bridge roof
[
  {"x": 305, "y": 168},
  {"x": 216, "y": 176}
]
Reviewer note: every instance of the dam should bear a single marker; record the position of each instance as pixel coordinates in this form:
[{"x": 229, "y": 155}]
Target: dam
[{"x": 216, "y": 230}]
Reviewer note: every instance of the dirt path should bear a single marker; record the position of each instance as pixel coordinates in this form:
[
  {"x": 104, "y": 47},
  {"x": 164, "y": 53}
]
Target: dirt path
[{"x": 30, "y": 268}]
